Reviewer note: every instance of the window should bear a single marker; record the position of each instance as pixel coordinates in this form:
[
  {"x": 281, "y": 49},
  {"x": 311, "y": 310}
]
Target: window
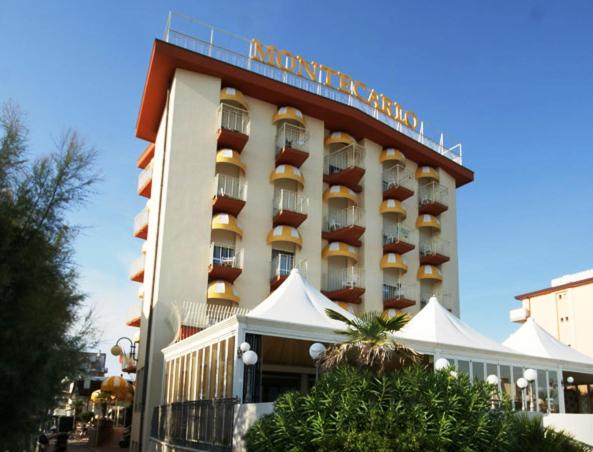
[
  {"x": 282, "y": 262},
  {"x": 223, "y": 256},
  {"x": 463, "y": 366},
  {"x": 506, "y": 384},
  {"x": 478, "y": 371}
]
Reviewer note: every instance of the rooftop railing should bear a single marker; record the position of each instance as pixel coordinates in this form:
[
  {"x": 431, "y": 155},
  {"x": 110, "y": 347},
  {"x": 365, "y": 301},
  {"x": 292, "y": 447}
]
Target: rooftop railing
[
  {"x": 349, "y": 156},
  {"x": 291, "y": 136},
  {"x": 199, "y": 37}
]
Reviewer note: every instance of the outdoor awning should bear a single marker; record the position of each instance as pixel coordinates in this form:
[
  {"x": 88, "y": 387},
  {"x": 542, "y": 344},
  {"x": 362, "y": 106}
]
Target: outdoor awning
[
  {"x": 392, "y": 155},
  {"x": 226, "y": 222},
  {"x": 283, "y": 233},
  {"x": 532, "y": 339},
  {"x": 393, "y": 206},
  {"x": 289, "y": 114},
  {"x": 231, "y": 157},
  {"x": 340, "y": 249},
  {"x": 394, "y": 261},
  {"x": 288, "y": 172},
  {"x": 233, "y": 95},
  {"x": 427, "y": 172},
  {"x": 429, "y": 272},
  {"x": 222, "y": 290},
  {"x": 340, "y": 191},
  {"x": 428, "y": 221},
  {"x": 339, "y": 137}
]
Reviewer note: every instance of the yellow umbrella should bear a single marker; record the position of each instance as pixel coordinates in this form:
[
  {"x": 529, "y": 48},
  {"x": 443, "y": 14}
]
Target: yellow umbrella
[{"x": 116, "y": 386}]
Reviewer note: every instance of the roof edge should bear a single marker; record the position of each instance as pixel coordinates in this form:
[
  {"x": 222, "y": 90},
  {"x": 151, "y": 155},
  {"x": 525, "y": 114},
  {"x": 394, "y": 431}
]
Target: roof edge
[{"x": 552, "y": 289}]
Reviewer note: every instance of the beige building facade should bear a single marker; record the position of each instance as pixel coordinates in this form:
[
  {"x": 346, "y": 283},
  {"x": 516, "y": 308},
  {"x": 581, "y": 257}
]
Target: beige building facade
[
  {"x": 246, "y": 178},
  {"x": 565, "y": 310}
]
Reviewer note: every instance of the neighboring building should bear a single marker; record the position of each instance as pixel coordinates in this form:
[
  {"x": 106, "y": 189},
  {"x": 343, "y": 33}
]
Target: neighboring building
[
  {"x": 564, "y": 309},
  {"x": 252, "y": 170}
]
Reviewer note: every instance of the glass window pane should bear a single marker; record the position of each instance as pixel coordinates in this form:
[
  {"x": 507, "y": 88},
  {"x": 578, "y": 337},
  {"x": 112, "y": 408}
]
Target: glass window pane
[
  {"x": 506, "y": 384},
  {"x": 517, "y": 373},
  {"x": 463, "y": 366},
  {"x": 491, "y": 369},
  {"x": 478, "y": 370},
  {"x": 553, "y": 385},
  {"x": 542, "y": 391}
]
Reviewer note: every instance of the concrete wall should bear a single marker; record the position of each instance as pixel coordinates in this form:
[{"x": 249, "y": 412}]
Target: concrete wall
[{"x": 245, "y": 416}]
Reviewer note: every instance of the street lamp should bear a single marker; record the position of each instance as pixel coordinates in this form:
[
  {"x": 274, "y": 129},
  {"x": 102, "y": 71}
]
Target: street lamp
[
  {"x": 315, "y": 351},
  {"x": 116, "y": 350},
  {"x": 249, "y": 358},
  {"x": 531, "y": 375},
  {"x": 441, "y": 363},
  {"x": 522, "y": 384},
  {"x": 493, "y": 380},
  {"x": 570, "y": 379}
]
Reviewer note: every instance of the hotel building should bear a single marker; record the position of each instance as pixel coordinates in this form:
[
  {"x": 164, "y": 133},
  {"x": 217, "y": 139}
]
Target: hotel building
[
  {"x": 564, "y": 309},
  {"x": 252, "y": 170}
]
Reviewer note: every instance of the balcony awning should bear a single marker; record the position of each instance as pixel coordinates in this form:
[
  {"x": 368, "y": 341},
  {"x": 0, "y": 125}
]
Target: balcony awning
[
  {"x": 226, "y": 222},
  {"x": 289, "y": 114},
  {"x": 231, "y": 157},
  {"x": 427, "y": 172},
  {"x": 393, "y": 260},
  {"x": 392, "y": 155},
  {"x": 233, "y": 95},
  {"x": 340, "y": 191},
  {"x": 340, "y": 249},
  {"x": 429, "y": 272},
  {"x": 222, "y": 290},
  {"x": 283, "y": 233},
  {"x": 428, "y": 221},
  {"x": 288, "y": 172},
  {"x": 393, "y": 206},
  {"x": 339, "y": 137}
]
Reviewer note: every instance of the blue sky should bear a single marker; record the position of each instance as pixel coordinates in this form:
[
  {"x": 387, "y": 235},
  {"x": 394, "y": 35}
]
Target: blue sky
[{"x": 513, "y": 81}]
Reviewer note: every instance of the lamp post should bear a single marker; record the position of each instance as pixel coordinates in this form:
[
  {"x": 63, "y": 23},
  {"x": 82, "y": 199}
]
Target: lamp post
[
  {"x": 522, "y": 384},
  {"x": 249, "y": 358},
  {"x": 315, "y": 351},
  {"x": 493, "y": 380},
  {"x": 531, "y": 375},
  {"x": 116, "y": 350}
]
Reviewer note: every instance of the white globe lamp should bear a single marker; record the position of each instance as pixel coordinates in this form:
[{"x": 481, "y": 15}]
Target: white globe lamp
[
  {"x": 492, "y": 380},
  {"x": 249, "y": 358},
  {"x": 441, "y": 363},
  {"x": 316, "y": 350},
  {"x": 522, "y": 383},
  {"x": 570, "y": 380},
  {"x": 530, "y": 375},
  {"x": 245, "y": 347}
]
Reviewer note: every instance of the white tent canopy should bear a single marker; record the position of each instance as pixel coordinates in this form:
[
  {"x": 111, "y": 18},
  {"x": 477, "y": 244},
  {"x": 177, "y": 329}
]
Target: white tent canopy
[
  {"x": 531, "y": 339},
  {"x": 435, "y": 325},
  {"x": 296, "y": 301}
]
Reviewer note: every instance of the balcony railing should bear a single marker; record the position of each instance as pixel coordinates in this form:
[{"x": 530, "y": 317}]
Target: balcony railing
[
  {"x": 233, "y": 118},
  {"x": 141, "y": 220},
  {"x": 397, "y": 176},
  {"x": 230, "y": 186},
  {"x": 291, "y": 136},
  {"x": 137, "y": 266},
  {"x": 443, "y": 297},
  {"x": 393, "y": 233},
  {"x": 435, "y": 247},
  {"x": 291, "y": 201},
  {"x": 282, "y": 264},
  {"x": 145, "y": 177},
  {"x": 345, "y": 278},
  {"x": 349, "y": 156},
  {"x": 225, "y": 256},
  {"x": 397, "y": 291},
  {"x": 432, "y": 193},
  {"x": 342, "y": 218}
]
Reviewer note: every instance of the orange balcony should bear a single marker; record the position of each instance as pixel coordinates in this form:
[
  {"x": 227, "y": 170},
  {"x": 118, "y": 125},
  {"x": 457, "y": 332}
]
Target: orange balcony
[
  {"x": 289, "y": 208},
  {"x": 225, "y": 263},
  {"x": 432, "y": 199},
  {"x": 434, "y": 252},
  {"x": 343, "y": 285},
  {"x": 397, "y": 296},
  {"x": 134, "y": 316},
  {"x": 229, "y": 194},
  {"x": 232, "y": 132},
  {"x": 137, "y": 269},
  {"x": 397, "y": 239},
  {"x": 146, "y": 157},
  {"x": 345, "y": 167},
  {"x": 141, "y": 224},
  {"x": 344, "y": 225},
  {"x": 290, "y": 145},
  {"x": 145, "y": 181},
  {"x": 397, "y": 183}
]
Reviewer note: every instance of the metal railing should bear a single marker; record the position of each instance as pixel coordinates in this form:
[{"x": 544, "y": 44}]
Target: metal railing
[
  {"x": 230, "y": 186},
  {"x": 233, "y": 118},
  {"x": 291, "y": 201},
  {"x": 342, "y": 278},
  {"x": 434, "y": 247},
  {"x": 145, "y": 176},
  {"x": 291, "y": 136},
  {"x": 433, "y": 192},
  {"x": 204, "y": 315},
  {"x": 137, "y": 266},
  {"x": 349, "y": 156},
  {"x": 198, "y": 424},
  {"x": 398, "y": 291},
  {"x": 342, "y": 218},
  {"x": 225, "y": 256},
  {"x": 183, "y": 31},
  {"x": 397, "y": 176},
  {"x": 394, "y": 233},
  {"x": 141, "y": 219}
]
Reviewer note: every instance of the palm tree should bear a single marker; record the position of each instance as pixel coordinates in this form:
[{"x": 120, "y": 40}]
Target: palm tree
[{"x": 370, "y": 343}]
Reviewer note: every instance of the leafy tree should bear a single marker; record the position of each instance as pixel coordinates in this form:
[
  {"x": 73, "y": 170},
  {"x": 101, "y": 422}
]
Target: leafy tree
[
  {"x": 369, "y": 343},
  {"x": 413, "y": 409},
  {"x": 42, "y": 326}
]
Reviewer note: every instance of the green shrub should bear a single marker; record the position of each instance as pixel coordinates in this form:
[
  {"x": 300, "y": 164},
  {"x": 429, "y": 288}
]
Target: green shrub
[
  {"x": 86, "y": 416},
  {"x": 529, "y": 435},
  {"x": 412, "y": 410}
]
